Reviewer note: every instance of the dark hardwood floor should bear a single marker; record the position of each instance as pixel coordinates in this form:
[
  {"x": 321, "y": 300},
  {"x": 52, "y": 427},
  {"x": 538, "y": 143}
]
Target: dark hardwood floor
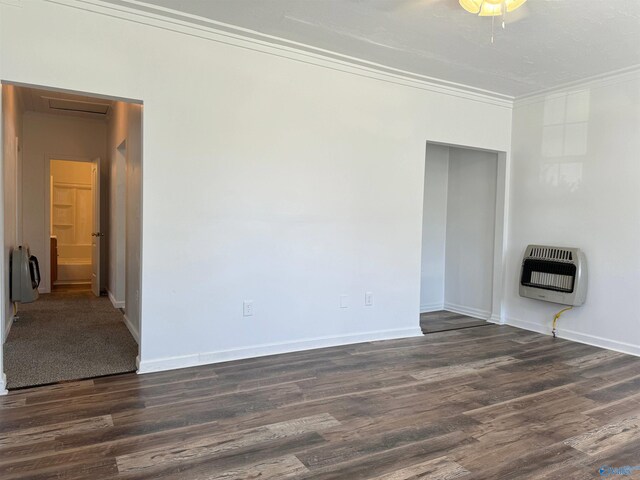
[
  {"x": 443, "y": 321},
  {"x": 492, "y": 403}
]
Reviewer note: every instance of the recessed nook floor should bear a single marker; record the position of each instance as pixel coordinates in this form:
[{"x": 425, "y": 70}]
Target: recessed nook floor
[
  {"x": 442, "y": 321},
  {"x": 67, "y": 335}
]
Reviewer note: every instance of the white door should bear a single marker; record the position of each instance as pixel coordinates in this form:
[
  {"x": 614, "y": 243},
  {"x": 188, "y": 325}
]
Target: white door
[{"x": 96, "y": 235}]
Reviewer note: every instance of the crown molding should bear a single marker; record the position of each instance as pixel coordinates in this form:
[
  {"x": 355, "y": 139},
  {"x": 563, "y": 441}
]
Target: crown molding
[
  {"x": 193, "y": 25},
  {"x": 597, "y": 81}
]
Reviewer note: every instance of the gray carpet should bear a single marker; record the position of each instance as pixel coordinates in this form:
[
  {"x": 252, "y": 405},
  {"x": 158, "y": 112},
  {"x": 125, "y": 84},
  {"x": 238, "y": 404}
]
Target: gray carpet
[{"x": 67, "y": 335}]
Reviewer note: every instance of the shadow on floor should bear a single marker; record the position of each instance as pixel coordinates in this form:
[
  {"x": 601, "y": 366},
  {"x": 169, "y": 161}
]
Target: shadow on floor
[
  {"x": 442, "y": 321},
  {"x": 69, "y": 334}
]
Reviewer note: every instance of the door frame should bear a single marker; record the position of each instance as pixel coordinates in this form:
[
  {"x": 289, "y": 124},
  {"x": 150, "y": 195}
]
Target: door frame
[
  {"x": 501, "y": 227},
  {"x": 47, "y": 213},
  {"x": 96, "y": 223}
]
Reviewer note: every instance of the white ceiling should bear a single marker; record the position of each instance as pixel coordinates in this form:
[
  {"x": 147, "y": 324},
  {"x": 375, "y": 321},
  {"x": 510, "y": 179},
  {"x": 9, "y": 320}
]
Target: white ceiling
[
  {"x": 546, "y": 42},
  {"x": 63, "y": 103}
]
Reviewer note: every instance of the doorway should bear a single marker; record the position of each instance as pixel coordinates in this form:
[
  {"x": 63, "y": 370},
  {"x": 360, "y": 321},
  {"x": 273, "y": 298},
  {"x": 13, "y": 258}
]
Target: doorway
[
  {"x": 463, "y": 220},
  {"x": 72, "y": 212},
  {"x": 74, "y": 224}
]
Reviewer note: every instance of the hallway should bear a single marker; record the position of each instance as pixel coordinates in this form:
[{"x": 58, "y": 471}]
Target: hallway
[{"x": 67, "y": 335}]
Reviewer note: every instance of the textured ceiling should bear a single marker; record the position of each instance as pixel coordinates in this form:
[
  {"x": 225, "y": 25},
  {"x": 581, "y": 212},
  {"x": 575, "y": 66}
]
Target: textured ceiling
[{"x": 546, "y": 43}]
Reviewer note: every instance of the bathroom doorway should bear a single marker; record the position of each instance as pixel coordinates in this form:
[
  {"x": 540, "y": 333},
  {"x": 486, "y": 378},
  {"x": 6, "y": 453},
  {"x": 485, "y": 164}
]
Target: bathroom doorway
[{"x": 74, "y": 219}]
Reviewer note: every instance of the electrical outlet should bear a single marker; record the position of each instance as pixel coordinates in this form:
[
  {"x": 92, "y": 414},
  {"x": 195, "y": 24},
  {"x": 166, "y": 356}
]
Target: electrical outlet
[
  {"x": 247, "y": 308},
  {"x": 368, "y": 299},
  {"x": 344, "y": 301}
]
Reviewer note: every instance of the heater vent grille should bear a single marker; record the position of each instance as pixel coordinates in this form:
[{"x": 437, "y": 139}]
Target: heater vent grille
[
  {"x": 551, "y": 253},
  {"x": 554, "y": 274}
]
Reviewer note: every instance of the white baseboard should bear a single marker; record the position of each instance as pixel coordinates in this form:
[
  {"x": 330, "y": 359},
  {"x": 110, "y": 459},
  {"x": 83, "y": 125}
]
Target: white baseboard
[
  {"x": 526, "y": 325},
  {"x": 431, "y": 307},
  {"x": 3, "y": 384},
  {"x": 114, "y": 302},
  {"x": 7, "y": 328},
  {"x": 170, "y": 363},
  {"x": 494, "y": 318},
  {"x": 469, "y": 311},
  {"x": 574, "y": 336},
  {"x": 134, "y": 331}
]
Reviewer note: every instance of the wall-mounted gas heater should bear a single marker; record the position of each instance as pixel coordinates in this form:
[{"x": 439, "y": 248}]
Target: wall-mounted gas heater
[
  {"x": 554, "y": 274},
  {"x": 25, "y": 275}
]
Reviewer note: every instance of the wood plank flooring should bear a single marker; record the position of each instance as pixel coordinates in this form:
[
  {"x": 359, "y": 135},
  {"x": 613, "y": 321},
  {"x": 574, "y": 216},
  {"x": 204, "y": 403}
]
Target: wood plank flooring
[
  {"x": 480, "y": 403},
  {"x": 443, "y": 321}
]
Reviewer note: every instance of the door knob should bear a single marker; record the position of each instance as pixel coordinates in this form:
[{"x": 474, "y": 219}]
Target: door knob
[{"x": 97, "y": 234}]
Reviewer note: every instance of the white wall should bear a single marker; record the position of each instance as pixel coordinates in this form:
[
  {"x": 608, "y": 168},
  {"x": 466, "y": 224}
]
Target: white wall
[
  {"x": 470, "y": 236},
  {"x": 574, "y": 182},
  {"x": 434, "y": 228},
  {"x": 60, "y": 137},
  {"x": 116, "y": 236},
  {"x": 133, "y": 244},
  {"x": 125, "y": 196},
  {"x": 269, "y": 175},
  {"x": 11, "y": 152}
]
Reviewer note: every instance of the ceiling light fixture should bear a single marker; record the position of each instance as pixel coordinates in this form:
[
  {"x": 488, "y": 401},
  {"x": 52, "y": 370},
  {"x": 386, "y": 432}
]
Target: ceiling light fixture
[{"x": 491, "y": 8}]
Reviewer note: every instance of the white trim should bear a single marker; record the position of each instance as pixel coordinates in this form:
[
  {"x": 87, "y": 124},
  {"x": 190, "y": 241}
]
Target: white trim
[
  {"x": 574, "y": 336},
  {"x": 469, "y": 311},
  {"x": 501, "y": 233},
  {"x": 201, "y": 27},
  {"x": 170, "y": 363},
  {"x": 596, "y": 81},
  {"x": 132, "y": 329},
  {"x": 4, "y": 275},
  {"x": 495, "y": 319},
  {"x": 7, "y": 328},
  {"x": 114, "y": 302},
  {"x": 11, "y": 3},
  {"x": 431, "y": 307},
  {"x": 3, "y": 384}
]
